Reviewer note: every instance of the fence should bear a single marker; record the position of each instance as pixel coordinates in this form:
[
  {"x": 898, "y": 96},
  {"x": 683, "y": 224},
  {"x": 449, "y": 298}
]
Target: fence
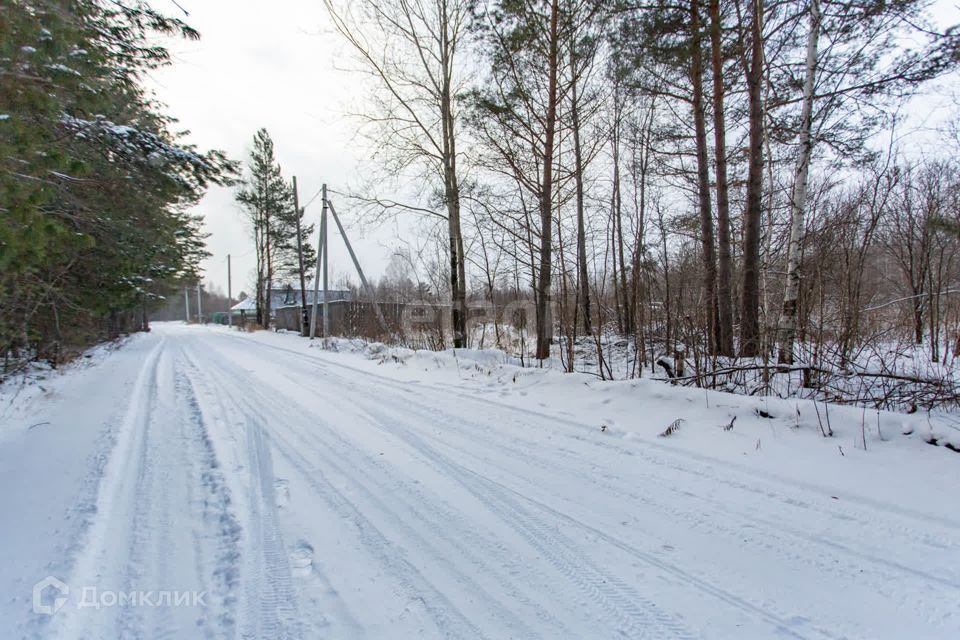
[{"x": 358, "y": 319}]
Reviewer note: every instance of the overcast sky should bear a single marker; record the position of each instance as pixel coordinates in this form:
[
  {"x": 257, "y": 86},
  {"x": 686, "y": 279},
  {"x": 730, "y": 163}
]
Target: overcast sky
[
  {"x": 279, "y": 65},
  {"x": 270, "y": 65}
]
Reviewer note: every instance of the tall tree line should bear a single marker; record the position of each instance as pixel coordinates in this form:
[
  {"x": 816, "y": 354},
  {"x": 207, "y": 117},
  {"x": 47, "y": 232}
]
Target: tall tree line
[
  {"x": 667, "y": 158},
  {"x": 94, "y": 188},
  {"x": 281, "y": 238}
]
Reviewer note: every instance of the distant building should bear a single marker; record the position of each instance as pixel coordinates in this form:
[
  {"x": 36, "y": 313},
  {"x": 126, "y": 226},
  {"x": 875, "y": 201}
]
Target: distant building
[{"x": 287, "y": 296}]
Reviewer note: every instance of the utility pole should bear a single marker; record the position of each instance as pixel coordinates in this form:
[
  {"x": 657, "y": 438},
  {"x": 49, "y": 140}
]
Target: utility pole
[
  {"x": 316, "y": 272},
  {"x": 229, "y": 295},
  {"x": 356, "y": 264},
  {"x": 186, "y": 301},
  {"x": 326, "y": 293},
  {"x": 322, "y": 265},
  {"x": 199, "y": 305},
  {"x": 303, "y": 284}
]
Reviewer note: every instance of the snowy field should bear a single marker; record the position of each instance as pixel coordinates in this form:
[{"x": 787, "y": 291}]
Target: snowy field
[{"x": 201, "y": 483}]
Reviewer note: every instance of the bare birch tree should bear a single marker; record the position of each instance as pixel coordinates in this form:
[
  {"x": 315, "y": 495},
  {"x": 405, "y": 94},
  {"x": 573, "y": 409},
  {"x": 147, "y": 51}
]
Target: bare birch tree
[
  {"x": 798, "y": 196},
  {"x": 412, "y": 50}
]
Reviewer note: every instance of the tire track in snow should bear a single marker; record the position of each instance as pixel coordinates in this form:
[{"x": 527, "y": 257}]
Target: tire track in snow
[
  {"x": 637, "y": 615},
  {"x": 616, "y": 598},
  {"x": 863, "y": 512},
  {"x": 776, "y": 536},
  {"x": 95, "y": 560},
  {"x": 330, "y": 452},
  {"x": 508, "y": 504},
  {"x": 257, "y": 566},
  {"x": 164, "y": 521},
  {"x": 827, "y": 556},
  {"x": 767, "y": 538},
  {"x": 620, "y": 608},
  {"x": 907, "y": 533},
  {"x": 148, "y": 540},
  {"x": 730, "y": 468},
  {"x": 179, "y": 473}
]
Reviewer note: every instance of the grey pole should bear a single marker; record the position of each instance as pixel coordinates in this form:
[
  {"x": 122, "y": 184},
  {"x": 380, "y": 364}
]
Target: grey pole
[
  {"x": 186, "y": 301},
  {"x": 356, "y": 263},
  {"x": 326, "y": 254},
  {"x": 199, "y": 305},
  {"x": 316, "y": 272},
  {"x": 229, "y": 295}
]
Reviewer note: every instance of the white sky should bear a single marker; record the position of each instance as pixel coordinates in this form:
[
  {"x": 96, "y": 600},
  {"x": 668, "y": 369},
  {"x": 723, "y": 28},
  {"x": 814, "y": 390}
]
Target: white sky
[
  {"x": 270, "y": 65},
  {"x": 275, "y": 65}
]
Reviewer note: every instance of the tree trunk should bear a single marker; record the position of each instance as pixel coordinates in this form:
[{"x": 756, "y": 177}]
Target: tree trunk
[
  {"x": 544, "y": 319},
  {"x": 791, "y": 295},
  {"x": 724, "y": 259},
  {"x": 750, "y": 301},
  {"x": 625, "y": 314},
  {"x": 568, "y": 314},
  {"x": 261, "y": 276},
  {"x": 583, "y": 283},
  {"x": 304, "y": 329},
  {"x": 918, "y": 318},
  {"x": 612, "y": 248},
  {"x": 458, "y": 288},
  {"x": 268, "y": 234},
  {"x": 640, "y": 170},
  {"x": 703, "y": 176}
]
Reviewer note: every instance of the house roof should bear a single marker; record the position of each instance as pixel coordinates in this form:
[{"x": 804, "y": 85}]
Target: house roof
[
  {"x": 287, "y": 297},
  {"x": 247, "y": 304}
]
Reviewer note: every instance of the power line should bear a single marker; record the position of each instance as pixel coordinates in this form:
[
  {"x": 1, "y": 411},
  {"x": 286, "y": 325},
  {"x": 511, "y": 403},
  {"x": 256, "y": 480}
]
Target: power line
[
  {"x": 312, "y": 199},
  {"x": 179, "y": 6}
]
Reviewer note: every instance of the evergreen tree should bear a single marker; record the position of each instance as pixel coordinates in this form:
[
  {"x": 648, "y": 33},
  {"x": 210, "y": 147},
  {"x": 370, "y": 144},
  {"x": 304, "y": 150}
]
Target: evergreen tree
[
  {"x": 514, "y": 113},
  {"x": 267, "y": 200},
  {"x": 288, "y": 247},
  {"x": 94, "y": 189}
]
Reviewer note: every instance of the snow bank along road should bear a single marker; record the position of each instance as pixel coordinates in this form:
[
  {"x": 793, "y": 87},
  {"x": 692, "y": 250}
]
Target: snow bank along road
[{"x": 203, "y": 484}]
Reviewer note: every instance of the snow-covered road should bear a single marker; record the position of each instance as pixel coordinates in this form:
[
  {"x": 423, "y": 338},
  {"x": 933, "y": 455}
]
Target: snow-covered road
[{"x": 307, "y": 495}]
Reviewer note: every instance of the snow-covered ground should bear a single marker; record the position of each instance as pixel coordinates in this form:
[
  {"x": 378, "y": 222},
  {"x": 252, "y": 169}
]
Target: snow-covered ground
[{"x": 200, "y": 483}]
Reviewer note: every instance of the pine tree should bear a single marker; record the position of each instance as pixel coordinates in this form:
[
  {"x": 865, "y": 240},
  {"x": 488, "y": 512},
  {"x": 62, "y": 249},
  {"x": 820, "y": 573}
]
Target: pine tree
[
  {"x": 288, "y": 263},
  {"x": 515, "y": 114},
  {"x": 267, "y": 200},
  {"x": 82, "y": 254}
]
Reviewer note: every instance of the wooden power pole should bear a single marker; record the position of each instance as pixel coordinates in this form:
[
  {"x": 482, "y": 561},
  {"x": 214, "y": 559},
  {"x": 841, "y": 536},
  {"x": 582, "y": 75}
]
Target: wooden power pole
[
  {"x": 326, "y": 291},
  {"x": 356, "y": 264},
  {"x": 322, "y": 260},
  {"x": 303, "y": 284},
  {"x": 229, "y": 295},
  {"x": 321, "y": 243}
]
